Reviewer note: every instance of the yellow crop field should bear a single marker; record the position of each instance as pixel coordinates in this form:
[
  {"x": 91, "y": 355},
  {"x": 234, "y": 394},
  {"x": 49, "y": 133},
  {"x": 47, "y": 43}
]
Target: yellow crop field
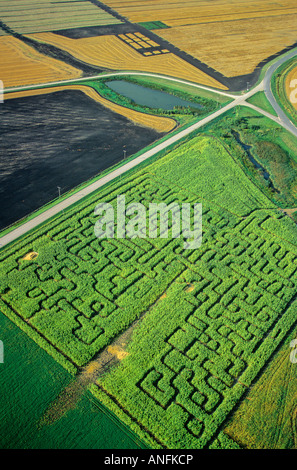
[
  {"x": 177, "y": 13},
  {"x": 22, "y": 65},
  {"x": 31, "y": 16},
  {"x": 291, "y": 87},
  {"x": 158, "y": 123},
  {"x": 110, "y": 52},
  {"x": 230, "y": 36}
]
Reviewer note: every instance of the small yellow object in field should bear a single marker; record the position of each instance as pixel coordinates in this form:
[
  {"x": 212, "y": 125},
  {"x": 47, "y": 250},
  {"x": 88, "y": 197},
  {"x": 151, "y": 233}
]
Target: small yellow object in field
[
  {"x": 117, "y": 351},
  {"x": 31, "y": 255},
  {"x": 153, "y": 44},
  {"x": 190, "y": 288},
  {"x": 92, "y": 367}
]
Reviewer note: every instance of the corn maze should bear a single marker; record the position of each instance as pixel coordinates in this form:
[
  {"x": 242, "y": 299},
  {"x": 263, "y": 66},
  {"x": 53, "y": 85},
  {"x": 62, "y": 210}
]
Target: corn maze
[
  {"x": 227, "y": 313},
  {"x": 208, "y": 319}
]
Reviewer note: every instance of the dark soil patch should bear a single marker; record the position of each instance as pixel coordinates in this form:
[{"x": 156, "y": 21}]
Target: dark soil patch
[
  {"x": 92, "y": 31},
  {"x": 60, "y": 139}
]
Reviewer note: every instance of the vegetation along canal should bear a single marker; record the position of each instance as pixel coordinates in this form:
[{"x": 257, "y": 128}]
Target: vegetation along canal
[{"x": 247, "y": 149}]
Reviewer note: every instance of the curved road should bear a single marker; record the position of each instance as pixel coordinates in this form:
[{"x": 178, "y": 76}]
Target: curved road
[
  {"x": 265, "y": 86},
  {"x": 284, "y": 120},
  {"x": 115, "y": 74}
]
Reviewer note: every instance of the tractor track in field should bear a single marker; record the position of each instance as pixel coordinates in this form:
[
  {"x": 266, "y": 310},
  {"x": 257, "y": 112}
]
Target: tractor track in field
[{"x": 87, "y": 375}]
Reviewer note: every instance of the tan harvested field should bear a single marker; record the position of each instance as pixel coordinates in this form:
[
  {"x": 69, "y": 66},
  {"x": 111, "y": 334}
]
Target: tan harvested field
[
  {"x": 160, "y": 124},
  {"x": 46, "y": 15},
  {"x": 22, "y": 65},
  {"x": 112, "y": 53},
  {"x": 230, "y": 36}
]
